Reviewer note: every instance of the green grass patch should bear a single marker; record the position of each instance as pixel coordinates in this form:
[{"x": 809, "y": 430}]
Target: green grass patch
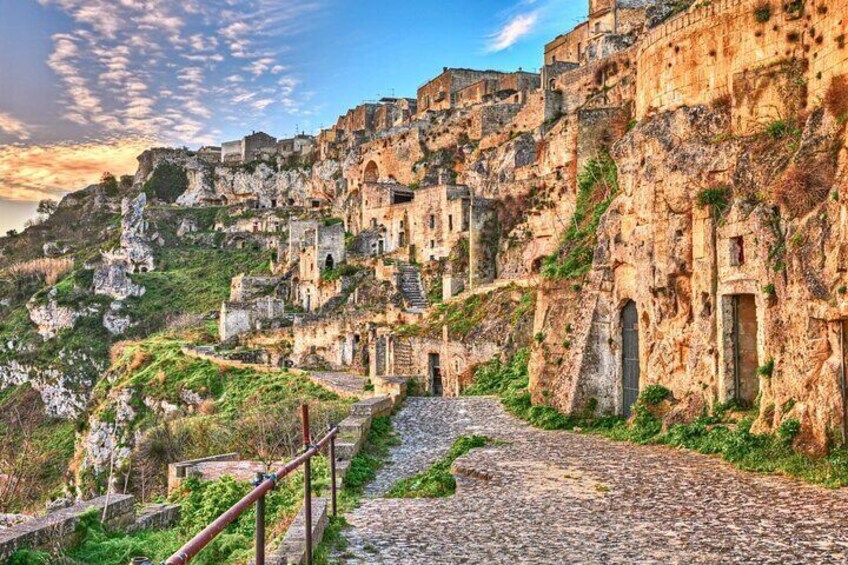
[{"x": 437, "y": 481}]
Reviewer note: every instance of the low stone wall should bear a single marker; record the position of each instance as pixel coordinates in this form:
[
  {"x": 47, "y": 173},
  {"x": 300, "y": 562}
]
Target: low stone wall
[
  {"x": 178, "y": 472},
  {"x": 58, "y": 529}
]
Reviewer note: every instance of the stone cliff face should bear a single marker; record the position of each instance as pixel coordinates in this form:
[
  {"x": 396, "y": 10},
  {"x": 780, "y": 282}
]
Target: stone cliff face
[{"x": 704, "y": 221}]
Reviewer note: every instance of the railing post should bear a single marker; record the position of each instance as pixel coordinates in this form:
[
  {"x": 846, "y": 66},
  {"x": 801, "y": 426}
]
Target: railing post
[
  {"x": 333, "y": 470},
  {"x": 307, "y": 485},
  {"x": 260, "y": 523}
]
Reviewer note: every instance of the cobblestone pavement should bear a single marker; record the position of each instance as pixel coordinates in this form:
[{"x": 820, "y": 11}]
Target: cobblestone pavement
[
  {"x": 559, "y": 497},
  {"x": 344, "y": 384}
]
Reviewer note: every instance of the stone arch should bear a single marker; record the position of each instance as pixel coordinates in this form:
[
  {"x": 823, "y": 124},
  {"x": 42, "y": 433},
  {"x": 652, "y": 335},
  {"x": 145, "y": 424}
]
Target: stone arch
[{"x": 371, "y": 172}]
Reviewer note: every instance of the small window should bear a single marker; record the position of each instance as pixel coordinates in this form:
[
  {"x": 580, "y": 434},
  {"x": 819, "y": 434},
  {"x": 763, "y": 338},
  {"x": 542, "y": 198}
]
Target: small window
[
  {"x": 432, "y": 221},
  {"x": 737, "y": 251},
  {"x": 450, "y": 222},
  {"x": 597, "y": 27},
  {"x": 432, "y": 244}
]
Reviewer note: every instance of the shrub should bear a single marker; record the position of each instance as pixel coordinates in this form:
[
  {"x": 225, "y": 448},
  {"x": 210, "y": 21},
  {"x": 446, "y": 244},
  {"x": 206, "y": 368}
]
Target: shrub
[
  {"x": 167, "y": 183},
  {"x": 763, "y": 12},
  {"x": 803, "y": 187},
  {"x": 836, "y": 98},
  {"x": 783, "y": 128},
  {"x": 769, "y": 290},
  {"x": 654, "y": 394},
  {"x": 788, "y": 429}
]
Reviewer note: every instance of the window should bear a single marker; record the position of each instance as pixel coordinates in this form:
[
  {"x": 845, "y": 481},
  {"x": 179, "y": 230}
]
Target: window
[
  {"x": 450, "y": 222},
  {"x": 432, "y": 244},
  {"x": 737, "y": 251},
  {"x": 432, "y": 221},
  {"x": 597, "y": 27}
]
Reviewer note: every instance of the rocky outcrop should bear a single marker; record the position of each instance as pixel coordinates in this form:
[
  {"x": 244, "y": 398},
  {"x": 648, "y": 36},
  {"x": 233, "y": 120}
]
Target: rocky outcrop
[
  {"x": 51, "y": 318},
  {"x": 63, "y": 393}
]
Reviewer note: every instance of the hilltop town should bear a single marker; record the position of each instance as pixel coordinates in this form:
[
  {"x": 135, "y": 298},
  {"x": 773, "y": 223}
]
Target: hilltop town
[{"x": 659, "y": 207}]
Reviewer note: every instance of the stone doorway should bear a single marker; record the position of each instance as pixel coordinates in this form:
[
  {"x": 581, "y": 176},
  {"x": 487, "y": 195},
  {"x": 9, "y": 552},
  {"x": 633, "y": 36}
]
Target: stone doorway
[
  {"x": 743, "y": 356},
  {"x": 629, "y": 357},
  {"x": 435, "y": 374}
]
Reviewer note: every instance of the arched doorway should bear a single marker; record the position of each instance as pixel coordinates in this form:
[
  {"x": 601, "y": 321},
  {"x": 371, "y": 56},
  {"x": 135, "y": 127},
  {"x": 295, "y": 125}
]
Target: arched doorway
[
  {"x": 329, "y": 263},
  {"x": 371, "y": 173},
  {"x": 629, "y": 357}
]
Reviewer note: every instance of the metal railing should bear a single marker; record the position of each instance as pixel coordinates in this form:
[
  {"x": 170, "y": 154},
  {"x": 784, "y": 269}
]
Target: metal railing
[{"x": 263, "y": 485}]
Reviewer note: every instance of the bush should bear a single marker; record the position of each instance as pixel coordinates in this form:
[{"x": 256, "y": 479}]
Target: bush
[
  {"x": 654, "y": 394},
  {"x": 803, "y": 187},
  {"x": 763, "y": 13},
  {"x": 788, "y": 429},
  {"x": 783, "y": 128},
  {"x": 167, "y": 183}
]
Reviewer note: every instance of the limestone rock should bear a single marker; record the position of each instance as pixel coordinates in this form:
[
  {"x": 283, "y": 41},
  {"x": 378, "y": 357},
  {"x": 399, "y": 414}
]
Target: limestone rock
[
  {"x": 114, "y": 322},
  {"x": 51, "y": 318}
]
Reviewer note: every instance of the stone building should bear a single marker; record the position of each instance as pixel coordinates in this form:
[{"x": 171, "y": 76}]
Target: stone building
[
  {"x": 440, "y": 93},
  {"x": 313, "y": 249},
  {"x": 511, "y": 88},
  {"x": 248, "y": 149},
  {"x": 301, "y": 145}
]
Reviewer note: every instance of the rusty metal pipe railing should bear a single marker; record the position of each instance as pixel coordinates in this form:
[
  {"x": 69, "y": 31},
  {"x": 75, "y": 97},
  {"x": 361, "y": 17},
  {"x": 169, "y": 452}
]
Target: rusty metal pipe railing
[{"x": 210, "y": 532}]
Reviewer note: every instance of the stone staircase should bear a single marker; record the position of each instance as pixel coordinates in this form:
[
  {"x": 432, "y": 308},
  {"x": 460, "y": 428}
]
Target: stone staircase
[{"x": 412, "y": 288}]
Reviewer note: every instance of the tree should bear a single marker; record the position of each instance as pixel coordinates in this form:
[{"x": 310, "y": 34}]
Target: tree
[
  {"x": 109, "y": 183},
  {"x": 47, "y": 207},
  {"x": 11, "y": 233}
]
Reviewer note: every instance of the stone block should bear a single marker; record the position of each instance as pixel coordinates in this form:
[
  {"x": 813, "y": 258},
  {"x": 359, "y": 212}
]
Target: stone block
[
  {"x": 373, "y": 407},
  {"x": 292, "y": 550}
]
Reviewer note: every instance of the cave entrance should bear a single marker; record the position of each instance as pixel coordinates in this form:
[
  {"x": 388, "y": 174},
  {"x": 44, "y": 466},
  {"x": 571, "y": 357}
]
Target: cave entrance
[
  {"x": 629, "y": 357},
  {"x": 742, "y": 341},
  {"x": 435, "y": 374}
]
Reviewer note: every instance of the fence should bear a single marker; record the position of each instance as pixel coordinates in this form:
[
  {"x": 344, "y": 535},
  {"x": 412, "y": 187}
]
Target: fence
[{"x": 264, "y": 484}]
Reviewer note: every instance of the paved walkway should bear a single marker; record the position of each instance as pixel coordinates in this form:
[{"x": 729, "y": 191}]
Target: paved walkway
[
  {"x": 559, "y": 497},
  {"x": 346, "y": 385}
]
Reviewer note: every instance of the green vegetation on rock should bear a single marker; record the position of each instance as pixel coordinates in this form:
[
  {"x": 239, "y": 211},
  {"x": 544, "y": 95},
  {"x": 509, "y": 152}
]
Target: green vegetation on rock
[{"x": 597, "y": 185}]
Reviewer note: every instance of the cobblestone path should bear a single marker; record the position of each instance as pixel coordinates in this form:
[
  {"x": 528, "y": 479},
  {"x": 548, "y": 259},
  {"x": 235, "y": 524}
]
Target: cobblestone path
[{"x": 559, "y": 497}]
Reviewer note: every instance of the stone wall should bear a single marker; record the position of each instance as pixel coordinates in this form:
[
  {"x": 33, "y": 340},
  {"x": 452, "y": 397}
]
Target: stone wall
[
  {"x": 699, "y": 56},
  {"x": 58, "y": 529}
]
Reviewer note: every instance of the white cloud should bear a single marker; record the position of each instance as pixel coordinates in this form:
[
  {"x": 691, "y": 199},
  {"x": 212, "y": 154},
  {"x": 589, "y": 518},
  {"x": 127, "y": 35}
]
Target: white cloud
[
  {"x": 14, "y": 127},
  {"x": 512, "y": 31}
]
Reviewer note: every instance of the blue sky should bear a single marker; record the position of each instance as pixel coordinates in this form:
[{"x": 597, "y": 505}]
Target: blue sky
[{"x": 86, "y": 84}]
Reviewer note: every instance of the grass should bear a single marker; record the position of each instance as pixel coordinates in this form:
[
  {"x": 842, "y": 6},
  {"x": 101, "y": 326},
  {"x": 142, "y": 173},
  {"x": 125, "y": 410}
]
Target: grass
[
  {"x": 201, "y": 502},
  {"x": 437, "y": 481},
  {"x": 716, "y": 198},
  {"x": 724, "y": 434},
  {"x": 597, "y": 185},
  {"x": 189, "y": 281}
]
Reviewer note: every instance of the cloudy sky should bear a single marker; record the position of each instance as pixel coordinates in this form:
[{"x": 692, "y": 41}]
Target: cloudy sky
[{"x": 86, "y": 85}]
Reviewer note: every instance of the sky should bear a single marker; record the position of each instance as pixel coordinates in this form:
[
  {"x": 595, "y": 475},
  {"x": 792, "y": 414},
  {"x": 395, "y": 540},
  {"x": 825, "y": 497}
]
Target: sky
[{"x": 87, "y": 85}]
